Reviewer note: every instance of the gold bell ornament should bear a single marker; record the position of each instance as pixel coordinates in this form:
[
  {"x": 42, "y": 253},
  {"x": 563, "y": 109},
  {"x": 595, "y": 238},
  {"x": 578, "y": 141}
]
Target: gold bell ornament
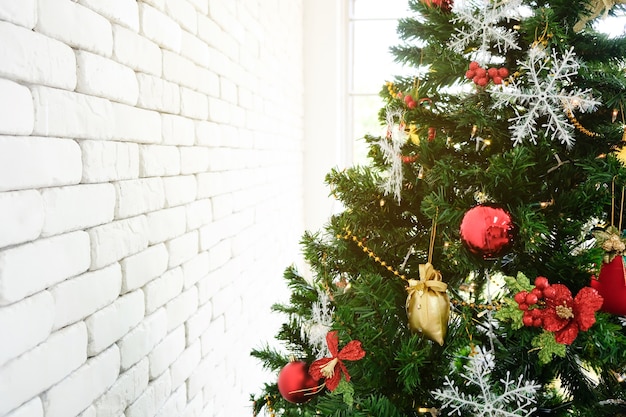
[{"x": 428, "y": 304}]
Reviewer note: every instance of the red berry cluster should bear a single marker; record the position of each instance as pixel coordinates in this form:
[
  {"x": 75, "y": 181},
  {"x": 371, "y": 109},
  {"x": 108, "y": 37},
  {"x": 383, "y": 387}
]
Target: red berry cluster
[
  {"x": 410, "y": 101},
  {"x": 529, "y": 302},
  {"x": 481, "y": 76}
]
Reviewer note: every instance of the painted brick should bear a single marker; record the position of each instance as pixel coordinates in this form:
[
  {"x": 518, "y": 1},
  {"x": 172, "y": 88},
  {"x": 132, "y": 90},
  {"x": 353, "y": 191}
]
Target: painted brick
[
  {"x": 166, "y": 352},
  {"x": 58, "y": 258},
  {"x": 222, "y": 205},
  {"x": 163, "y": 289},
  {"x": 77, "y": 298},
  {"x": 38, "y": 162},
  {"x": 220, "y": 253},
  {"x": 26, "y": 324},
  {"x": 152, "y": 399},
  {"x": 140, "y": 341},
  {"x": 211, "y": 336},
  {"x": 43, "y": 366},
  {"x": 208, "y": 82},
  {"x": 182, "y": 248},
  {"x": 75, "y": 25},
  {"x": 123, "y": 12},
  {"x": 157, "y": 4},
  {"x": 196, "y": 268},
  {"x": 17, "y": 114},
  {"x": 77, "y": 207},
  {"x": 197, "y": 380},
  {"x": 225, "y": 299},
  {"x": 109, "y": 161},
  {"x": 108, "y": 325},
  {"x": 23, "y": 216},
  {"x": 139, "y": 196},
  {"x": 158, "y": 94},
  {"x": 23, "y": 13},
  {"x": 90, "y": 380},
  {"x": 177, "y": 130},
  {"x": 179, "y": 69},
  {"x": 199, "y": 213},
  {"x": 33, "y": 408},
  {"x": 194, "y": 104},
  {"x": 209, "y": 31},
  {"x": 194, "y": 48},
  {"x": 144, "y": 266},
  {"x": 68, "y": 114},
  {"x": 198, "y": 323},
  {"x": 117, "y": 240},
  {"x": 194, "y": 406},
  {"x": 194, "y": 159},
  {"x": 175, "y": 405},
  {"x": 211, "y": 234},
  {"x": 136, "y": 125},
  {"x": 159, "y": 28},
  {"x": 228, "y": 90},
  {"x": 201, "y": 5},
  {"x": 183, "y": 13},
  {"x": 184, "y": 366},
  {"x": 208, "y": 133},
  {"x": 157, "y": 160},
  {"x": 180, "y": 189},
  {"x": 210, "y": 285},
  {"x": 135, "y": 51},
  {"x": 211, "y": 184},
  {"x": 181, "y": 308},
  {"x": 94, "y": 75},
  {"x": 34, "y": 58},
  {"x": 124, "y": 391},
  {"x": 220, "y": 111},
  {"x": 88, "y": 412},
  {"x": 166, "y": 224}
]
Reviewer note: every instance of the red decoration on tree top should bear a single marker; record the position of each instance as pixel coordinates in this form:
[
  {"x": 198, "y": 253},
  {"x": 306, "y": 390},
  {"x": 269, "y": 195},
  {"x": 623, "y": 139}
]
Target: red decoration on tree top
[
  {"x": 445, "y": 5},
  {"x": 332, "y": 368}
]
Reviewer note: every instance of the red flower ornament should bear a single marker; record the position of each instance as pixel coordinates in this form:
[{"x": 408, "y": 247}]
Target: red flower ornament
[
  {"x": 565, "y": 316},
  {"x": 332, "y": 368}
]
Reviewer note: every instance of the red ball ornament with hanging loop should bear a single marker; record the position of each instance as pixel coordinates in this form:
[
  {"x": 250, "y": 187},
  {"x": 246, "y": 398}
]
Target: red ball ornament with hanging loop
[
  {"x": 611, "y": 285},
  {"x": 295, "y": 384},
  {"x": 487, "y": 231}
]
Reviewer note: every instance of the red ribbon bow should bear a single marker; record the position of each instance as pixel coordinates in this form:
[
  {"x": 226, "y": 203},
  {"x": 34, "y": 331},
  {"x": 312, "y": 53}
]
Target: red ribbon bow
[{"x": 332, "y": 368}]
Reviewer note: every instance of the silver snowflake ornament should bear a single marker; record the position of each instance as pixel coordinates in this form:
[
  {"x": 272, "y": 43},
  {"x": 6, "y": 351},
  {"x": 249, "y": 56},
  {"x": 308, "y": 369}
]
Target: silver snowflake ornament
[
  {"x": 515, "y": 396},
  {"x": 544, "y": 89},
  {"x": 479, "y": 24}
]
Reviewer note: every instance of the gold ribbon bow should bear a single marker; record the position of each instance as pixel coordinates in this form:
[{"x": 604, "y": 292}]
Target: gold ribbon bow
[{"x": 428, "y": 305}]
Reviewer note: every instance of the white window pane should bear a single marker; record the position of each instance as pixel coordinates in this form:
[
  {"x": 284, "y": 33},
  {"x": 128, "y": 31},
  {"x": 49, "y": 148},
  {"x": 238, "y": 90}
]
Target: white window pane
[
  {"x": 365, "y": 121},
  {"x": 377, "y": 9},
  {"x": 373, "y": 63}
]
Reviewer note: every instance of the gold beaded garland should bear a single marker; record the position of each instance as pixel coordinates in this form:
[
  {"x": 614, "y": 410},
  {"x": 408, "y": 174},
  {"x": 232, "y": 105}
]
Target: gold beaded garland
[{"x": 348, "y": 235}]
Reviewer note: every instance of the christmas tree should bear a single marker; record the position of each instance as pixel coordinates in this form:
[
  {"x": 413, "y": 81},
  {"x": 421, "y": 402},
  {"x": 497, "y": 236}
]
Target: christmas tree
[{"x": 477, "y": 269}]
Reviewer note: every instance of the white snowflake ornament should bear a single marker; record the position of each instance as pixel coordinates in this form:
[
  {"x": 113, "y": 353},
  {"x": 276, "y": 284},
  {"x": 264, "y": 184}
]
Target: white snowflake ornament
[
  {"x": 514, "y": 398},
  {"x": 391, "y": 147},
  {"x": 544, "y": 89},
  {"x": 479, "y": 24}
]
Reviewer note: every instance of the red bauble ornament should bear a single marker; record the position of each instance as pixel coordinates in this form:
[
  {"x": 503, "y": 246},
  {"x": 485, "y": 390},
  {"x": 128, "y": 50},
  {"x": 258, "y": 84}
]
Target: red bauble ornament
[
  {"x": 445, "y": 5},
  {"x": 611, "y": 285},
  {"x": 295, "y": 384},
  {"x": 487, "y": 231}
]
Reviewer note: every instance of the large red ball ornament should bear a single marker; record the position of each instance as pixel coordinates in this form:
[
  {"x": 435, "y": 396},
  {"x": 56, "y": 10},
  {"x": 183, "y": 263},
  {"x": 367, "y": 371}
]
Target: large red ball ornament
[
  {"x": 487, "y": 231},
  {"x": 295, "y": 384},
  {"x": 611, "y": 285}
]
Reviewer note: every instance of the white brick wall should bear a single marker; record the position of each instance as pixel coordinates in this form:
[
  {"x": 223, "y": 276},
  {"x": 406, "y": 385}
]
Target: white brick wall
[{"x": 150, "y": 197}]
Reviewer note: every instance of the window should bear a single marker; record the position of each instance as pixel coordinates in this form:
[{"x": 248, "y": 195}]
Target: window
[{"x": 372, "y": 31}]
